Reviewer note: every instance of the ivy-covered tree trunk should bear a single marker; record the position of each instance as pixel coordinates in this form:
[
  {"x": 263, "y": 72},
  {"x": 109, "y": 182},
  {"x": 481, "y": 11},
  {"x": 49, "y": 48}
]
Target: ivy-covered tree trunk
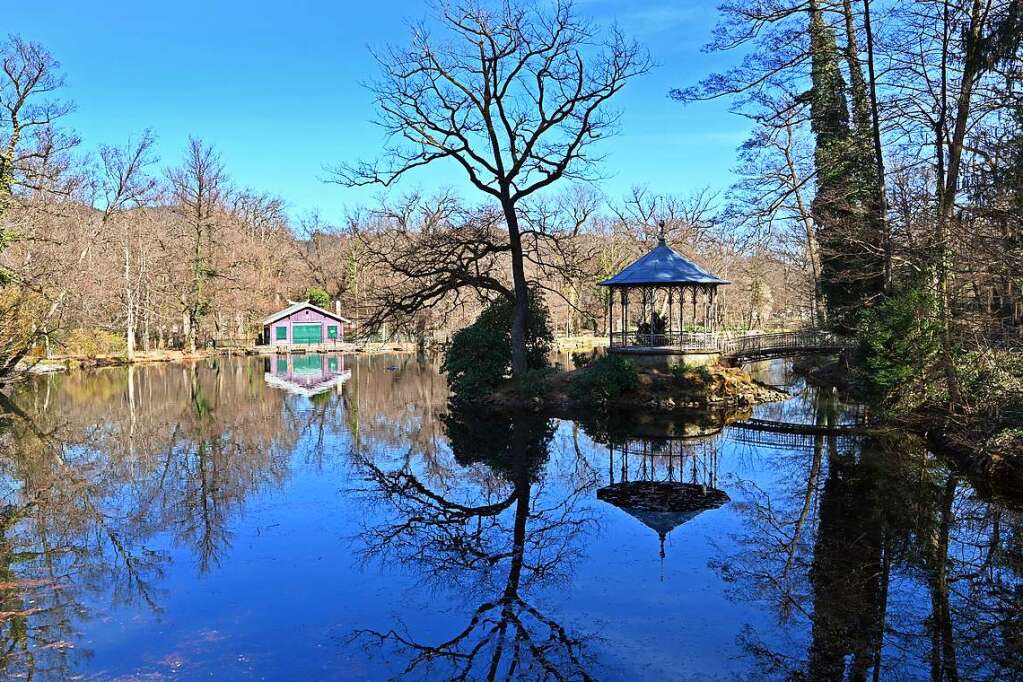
[
  {"x": 867, "y": 186},
  {"x": 829, "y": 121},
  {"x": 845, "y": 209}
]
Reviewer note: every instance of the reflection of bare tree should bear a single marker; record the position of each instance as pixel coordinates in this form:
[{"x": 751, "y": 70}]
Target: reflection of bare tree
[
  {"x": 92, "y": 471},
  {"x": 862, "y": 539},
  {"x": 55, "y": 524},
  {"x": 496, "y": 534}
]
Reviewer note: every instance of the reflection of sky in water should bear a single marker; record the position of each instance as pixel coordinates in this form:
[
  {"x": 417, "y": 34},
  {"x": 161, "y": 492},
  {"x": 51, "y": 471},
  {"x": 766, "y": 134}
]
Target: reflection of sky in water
[{"x": 257, "y": 507}]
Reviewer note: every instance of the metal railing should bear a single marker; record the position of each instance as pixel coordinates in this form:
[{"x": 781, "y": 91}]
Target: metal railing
[
  {"x": 751, "y": 345},
  {"x": 668, "y": 339},
  {"x": 730, "y": 344}
]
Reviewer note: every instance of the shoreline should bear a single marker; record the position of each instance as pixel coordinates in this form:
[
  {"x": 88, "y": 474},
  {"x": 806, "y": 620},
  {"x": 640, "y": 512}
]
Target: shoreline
[
  {"x": 656, "y": 392},
  {"x": 64, "y": 363},
  {"x": 959, "y": 437}
]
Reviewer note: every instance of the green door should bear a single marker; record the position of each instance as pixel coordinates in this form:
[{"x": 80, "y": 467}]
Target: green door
[{"x": 307, "y": 333}]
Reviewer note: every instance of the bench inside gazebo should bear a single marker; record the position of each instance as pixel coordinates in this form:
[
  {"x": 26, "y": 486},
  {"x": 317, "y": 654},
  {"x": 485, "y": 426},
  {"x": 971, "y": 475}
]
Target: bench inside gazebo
[{"x": 663, "y": 303}]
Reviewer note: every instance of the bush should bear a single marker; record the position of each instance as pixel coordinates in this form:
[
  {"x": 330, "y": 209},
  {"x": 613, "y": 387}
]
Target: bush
[
  {"x": 899, "y": 343},
  {"x": 479, "y": 357},
  {"x": 318, "y": 297},
  {"x": 604, "y": 379},
  {"x": 700, "y": 375},
  {"x": 532, "y": 384},
  {"x": 93, "y": 342},
  {"x": 991, "y": 384},
  {"x": 580, "y": 360}
]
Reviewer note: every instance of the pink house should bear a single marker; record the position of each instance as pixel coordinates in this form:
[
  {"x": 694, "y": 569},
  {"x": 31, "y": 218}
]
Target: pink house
[{"x": 304, "y": 323}]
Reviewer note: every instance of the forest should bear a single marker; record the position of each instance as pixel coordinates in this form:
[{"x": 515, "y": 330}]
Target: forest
[{"x": 879, "y": 193}]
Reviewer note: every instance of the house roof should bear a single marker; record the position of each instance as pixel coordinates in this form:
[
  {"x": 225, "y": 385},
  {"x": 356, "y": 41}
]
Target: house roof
[
  {"x": 302, "y": 305},
  {"x": 663, "y": 265}
]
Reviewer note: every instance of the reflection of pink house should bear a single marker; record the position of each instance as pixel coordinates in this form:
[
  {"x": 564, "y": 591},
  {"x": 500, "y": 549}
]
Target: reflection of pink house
[
  {"x": 306, "y": 374},
  {"x": 302, "y": 324}
]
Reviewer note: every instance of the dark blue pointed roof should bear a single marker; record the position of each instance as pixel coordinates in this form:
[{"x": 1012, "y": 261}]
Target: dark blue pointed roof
[{"x": 663, "y": 265}]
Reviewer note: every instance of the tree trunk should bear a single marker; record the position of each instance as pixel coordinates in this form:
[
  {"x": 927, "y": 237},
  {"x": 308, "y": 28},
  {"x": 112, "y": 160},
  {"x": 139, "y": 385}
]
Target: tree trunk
[
  {"x": 187, "y": 330},
  {"x": 145, "y": 324},
  {"x": 129, "y": 300},
  {"x": 520, "y": 320},
  {"x": 875, "y": 124},
  {"x": 129, "y": 332},
  {"x": 971, "y": 68}
]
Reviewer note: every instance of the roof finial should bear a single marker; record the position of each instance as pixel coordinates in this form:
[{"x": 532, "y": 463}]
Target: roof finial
[{"x": 660, "y": 231}]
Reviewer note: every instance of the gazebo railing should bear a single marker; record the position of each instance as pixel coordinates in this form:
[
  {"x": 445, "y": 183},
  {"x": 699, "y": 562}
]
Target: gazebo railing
[
  {"x": 668, "y": 339},
  {"x": 737, "y": 345}
]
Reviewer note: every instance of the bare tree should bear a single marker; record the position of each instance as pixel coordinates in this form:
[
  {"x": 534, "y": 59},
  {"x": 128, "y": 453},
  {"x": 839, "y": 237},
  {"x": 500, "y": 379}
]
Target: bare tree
[
  {"x": 31, "y": 148},
  {"x": 34, "y": 162},
  {"x": 126, "y": 186},
  {"x": 515, "y": 95},
  {"x": 200, "y": 187}
]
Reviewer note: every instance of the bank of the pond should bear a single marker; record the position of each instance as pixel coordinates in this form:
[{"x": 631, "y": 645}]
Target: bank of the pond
[
  {"x": 60, "y": 363},
  {"x": 985, "y": 445},
  {"x": 653, "y": 390}
]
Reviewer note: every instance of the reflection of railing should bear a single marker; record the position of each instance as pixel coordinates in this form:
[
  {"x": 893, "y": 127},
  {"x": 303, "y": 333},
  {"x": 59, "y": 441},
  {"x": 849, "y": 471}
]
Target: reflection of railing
[
  {"x": 733, "y": 346},
  {"x": 792, "y": 436}
]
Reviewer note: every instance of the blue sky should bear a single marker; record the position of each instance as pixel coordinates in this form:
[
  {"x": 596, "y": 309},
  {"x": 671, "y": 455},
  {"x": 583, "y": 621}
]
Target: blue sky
[{"x": 276, "y": 87}]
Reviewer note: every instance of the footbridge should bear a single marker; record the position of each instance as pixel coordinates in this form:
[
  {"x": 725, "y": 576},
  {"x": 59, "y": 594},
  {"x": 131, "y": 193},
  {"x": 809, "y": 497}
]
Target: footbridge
[{"x": 751, "y": 347}]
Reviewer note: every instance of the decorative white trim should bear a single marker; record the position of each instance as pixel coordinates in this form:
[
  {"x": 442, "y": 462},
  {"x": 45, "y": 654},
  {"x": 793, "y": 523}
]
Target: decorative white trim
[{"x": 291, "y": 310}]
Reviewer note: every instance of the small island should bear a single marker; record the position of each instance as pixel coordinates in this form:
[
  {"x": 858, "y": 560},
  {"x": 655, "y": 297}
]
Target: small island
[{"x": 666, "y": 353}]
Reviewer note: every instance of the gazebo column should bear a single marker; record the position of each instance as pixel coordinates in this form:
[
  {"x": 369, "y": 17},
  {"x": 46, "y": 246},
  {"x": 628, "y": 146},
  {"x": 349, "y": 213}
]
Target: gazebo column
[
  {"x": 644, "y": 293},
  {"x": 714, "y": 308},
  {"x": 625, "y": 315},
  {"x": 682, "y": 310},
  {"x": 695, "y": 290},
  {"x": 610, "y": 316},
  {"x": 671, "y": 315}
]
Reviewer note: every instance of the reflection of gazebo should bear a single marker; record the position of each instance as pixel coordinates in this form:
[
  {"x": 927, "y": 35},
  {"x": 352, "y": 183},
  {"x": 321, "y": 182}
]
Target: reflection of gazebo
[
  {"x": 676, "y": 299},
  {"x": 662, "y": 506},
  {"x": 663, "y": 481}
]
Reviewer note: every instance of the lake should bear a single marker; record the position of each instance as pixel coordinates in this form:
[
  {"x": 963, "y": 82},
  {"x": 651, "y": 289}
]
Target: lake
[{"x": 330, "y": 517}]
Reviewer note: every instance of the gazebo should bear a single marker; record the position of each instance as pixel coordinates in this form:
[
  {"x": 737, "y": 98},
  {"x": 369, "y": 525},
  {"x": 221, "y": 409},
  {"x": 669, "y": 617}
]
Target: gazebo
[{"x": 676, "y": 301}]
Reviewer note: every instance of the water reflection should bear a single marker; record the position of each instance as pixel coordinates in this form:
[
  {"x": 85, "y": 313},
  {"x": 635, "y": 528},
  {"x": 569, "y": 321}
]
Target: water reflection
[
  {"x": 306, "y": 375},
  {"x": 144, "y": 510},
  {"x": 667, "y": 470},
  {"x": 890, "y": 565},
  {"x": 495, "y": 537}
]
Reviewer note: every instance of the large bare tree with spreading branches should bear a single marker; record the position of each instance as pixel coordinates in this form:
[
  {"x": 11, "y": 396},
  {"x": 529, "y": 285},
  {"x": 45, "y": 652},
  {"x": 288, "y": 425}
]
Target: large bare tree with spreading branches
[{"x": 515, "y": 94}]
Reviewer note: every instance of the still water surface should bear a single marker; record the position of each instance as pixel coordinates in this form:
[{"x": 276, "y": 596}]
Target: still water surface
[{"x": 331, "y": 518}]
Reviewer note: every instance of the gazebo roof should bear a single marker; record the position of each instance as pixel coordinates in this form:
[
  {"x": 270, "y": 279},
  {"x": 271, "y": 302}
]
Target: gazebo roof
[{"x": 662, "y": 265}]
